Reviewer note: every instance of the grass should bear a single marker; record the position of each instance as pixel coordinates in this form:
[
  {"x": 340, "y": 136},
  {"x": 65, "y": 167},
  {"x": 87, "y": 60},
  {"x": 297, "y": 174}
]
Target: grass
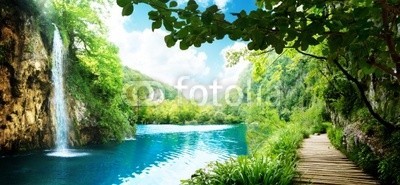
[
  {"x": 273, "y": 148},
  {"x": 273, "y": 163},
  {"x": 386, "y": 167}
]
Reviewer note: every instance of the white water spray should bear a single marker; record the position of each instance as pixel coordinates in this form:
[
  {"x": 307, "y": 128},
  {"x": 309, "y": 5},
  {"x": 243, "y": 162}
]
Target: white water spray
[{"x": 60, "y": 113}]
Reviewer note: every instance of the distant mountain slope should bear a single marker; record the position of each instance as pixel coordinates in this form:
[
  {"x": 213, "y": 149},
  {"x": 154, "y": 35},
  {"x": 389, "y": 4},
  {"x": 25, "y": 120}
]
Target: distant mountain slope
[{"x": 136, "y": 78}]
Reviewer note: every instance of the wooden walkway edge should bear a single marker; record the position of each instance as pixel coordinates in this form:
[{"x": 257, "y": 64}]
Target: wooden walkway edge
[{"x": 321, "y": 163}]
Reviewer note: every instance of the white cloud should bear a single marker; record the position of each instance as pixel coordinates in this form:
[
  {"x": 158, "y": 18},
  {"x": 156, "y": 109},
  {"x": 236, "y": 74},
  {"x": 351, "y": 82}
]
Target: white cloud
[
  {"x": 146, "y": 52},
  {"x": 221, "y": 3},
  {"x": 204, "y": 3},
  {"x": 230, "y": 75}
]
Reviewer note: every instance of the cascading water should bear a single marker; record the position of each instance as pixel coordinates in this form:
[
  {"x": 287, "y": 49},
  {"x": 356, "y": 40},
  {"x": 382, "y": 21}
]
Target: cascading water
[{"x": 60, "y": 114}]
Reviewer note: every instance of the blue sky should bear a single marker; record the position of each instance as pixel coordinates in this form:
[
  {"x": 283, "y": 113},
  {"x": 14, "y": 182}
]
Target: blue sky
[{"x": 144, "y": 50}]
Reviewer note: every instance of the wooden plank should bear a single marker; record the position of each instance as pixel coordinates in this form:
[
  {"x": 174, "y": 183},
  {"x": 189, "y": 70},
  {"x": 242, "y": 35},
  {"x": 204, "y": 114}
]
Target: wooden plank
[
  {"x": 321, "y": 163},
  {"x": 345, "y": 175}
]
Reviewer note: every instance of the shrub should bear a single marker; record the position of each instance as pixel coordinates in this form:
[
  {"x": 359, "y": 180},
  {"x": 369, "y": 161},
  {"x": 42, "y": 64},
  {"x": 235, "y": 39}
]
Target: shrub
[
  {"x": 386, "y": 167},
  {"x": 336, "y": 137},
  {"x": 274, "y": 164},
  {"x": 312, "y": 117},
  {"x": 320, "y": 128}
]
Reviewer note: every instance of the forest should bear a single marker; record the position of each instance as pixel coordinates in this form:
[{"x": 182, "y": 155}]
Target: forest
[
  {"x": 315, "y": 67},
  {"x": 337, "y": 61}
]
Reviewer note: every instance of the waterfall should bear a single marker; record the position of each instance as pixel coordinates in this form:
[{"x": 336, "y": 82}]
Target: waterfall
[{"x": 60, "y": 113}]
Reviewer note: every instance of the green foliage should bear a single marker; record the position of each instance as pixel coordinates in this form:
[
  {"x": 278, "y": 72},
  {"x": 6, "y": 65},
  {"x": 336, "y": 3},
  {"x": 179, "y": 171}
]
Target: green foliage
[
  {"x": 94, "y": 71},
  {"x": 182, "y": 111},
  {"x": 172, "y": 108},
  {"x": 171, "y": 112},
  {"x": 263, "y": 120},
  {"x": 312, "y": 117},
  {"x": 272, "y": 141},
  {"x": 336, "y": 137},
  {"x": 275, "y": 164},
  {"x": 133, "y": 80},
  {"x": 245, "y": 170},
  {"x": 262, "y": 113},
  {"x": 321, "y": 128},
  {"x": 286, "y": 83},
  {"x": 341, "y": 97},
  {"x": 351, "y": 26},
  {"x": 357, "y": 38},
  {"x": 385, "y": 167},
  {"x": 364, "y": 158},
  {"x": 389, "y": 169}
]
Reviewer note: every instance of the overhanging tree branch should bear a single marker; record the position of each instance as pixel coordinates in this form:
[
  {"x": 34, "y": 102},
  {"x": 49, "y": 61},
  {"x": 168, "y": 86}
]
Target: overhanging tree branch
[
  {"x": 388, "y": 34},
  {"x": 382, "y": 67},
  {"x": 360, "y": 88},
  {"x": 311, "y": 55},
  {"x": 388, "y": 125}
]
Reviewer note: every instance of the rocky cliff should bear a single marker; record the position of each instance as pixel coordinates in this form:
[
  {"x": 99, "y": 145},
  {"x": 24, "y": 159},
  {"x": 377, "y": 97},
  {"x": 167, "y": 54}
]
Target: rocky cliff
[
  {"x": 373, "y": 147},
  {"x": 359, "y": 126},
  {"x": 25, "y": 83}
]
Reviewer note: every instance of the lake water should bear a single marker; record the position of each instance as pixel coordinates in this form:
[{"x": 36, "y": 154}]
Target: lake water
[{"x": 159, "y": 154}]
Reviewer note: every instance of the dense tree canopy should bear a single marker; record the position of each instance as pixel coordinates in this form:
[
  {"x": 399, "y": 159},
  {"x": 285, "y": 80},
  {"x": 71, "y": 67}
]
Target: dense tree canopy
[
  {"x": 368, "y": 29},
  {"x": 358, "y": 38}
]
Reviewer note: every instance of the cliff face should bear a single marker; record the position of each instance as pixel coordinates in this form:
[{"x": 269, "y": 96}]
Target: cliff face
[
  {"x": 82, "y": 130},
  {"x": 384, "y": 96},
  {"x": 372, "y": 146},
  {"x": 25, "y": 83}
]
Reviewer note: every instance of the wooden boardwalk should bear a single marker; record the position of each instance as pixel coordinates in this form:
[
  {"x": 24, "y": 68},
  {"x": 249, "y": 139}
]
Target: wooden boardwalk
[{"x": 321, "y": 163}]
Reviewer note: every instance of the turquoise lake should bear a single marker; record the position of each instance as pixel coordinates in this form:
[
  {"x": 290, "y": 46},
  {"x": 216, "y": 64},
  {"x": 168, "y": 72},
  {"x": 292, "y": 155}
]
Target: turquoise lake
[{"x": 159, "y": 154}]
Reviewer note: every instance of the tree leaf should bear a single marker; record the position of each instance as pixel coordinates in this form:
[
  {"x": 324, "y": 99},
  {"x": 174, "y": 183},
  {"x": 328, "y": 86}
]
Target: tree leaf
[
  {"x": 279, "y": 47},
  {"x": 127, "y": 10},
  {"x": 156, "y": 25},
  {"x": 183, "y": 45},
  {"x": 173, "y": 4},
  {"x": 250, "y": 45},
  {"x": 304, "y": 46},
  {"x": 169, "y": 40},
  {"x": 197, "y": 43},
  {"x": 206, "y": 17},
  {"x": 182, "y": 33},
  {"x": 168, "y": 25},
  {"x": 312, "y": 41},
  {"x": 153, "y": 15},
  {"x": 268, "y": 5},
  {"x": 123, "y": 3},
  {"x": 335, "y": 42},
  {"x": 158, "y": 4},
  {"x": 192, "y": 5},
  {"x": 212, "y": 9}
]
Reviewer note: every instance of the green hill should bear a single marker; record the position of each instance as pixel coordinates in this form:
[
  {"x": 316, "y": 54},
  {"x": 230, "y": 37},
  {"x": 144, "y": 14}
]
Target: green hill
[{"x": 133, "y": 78}]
